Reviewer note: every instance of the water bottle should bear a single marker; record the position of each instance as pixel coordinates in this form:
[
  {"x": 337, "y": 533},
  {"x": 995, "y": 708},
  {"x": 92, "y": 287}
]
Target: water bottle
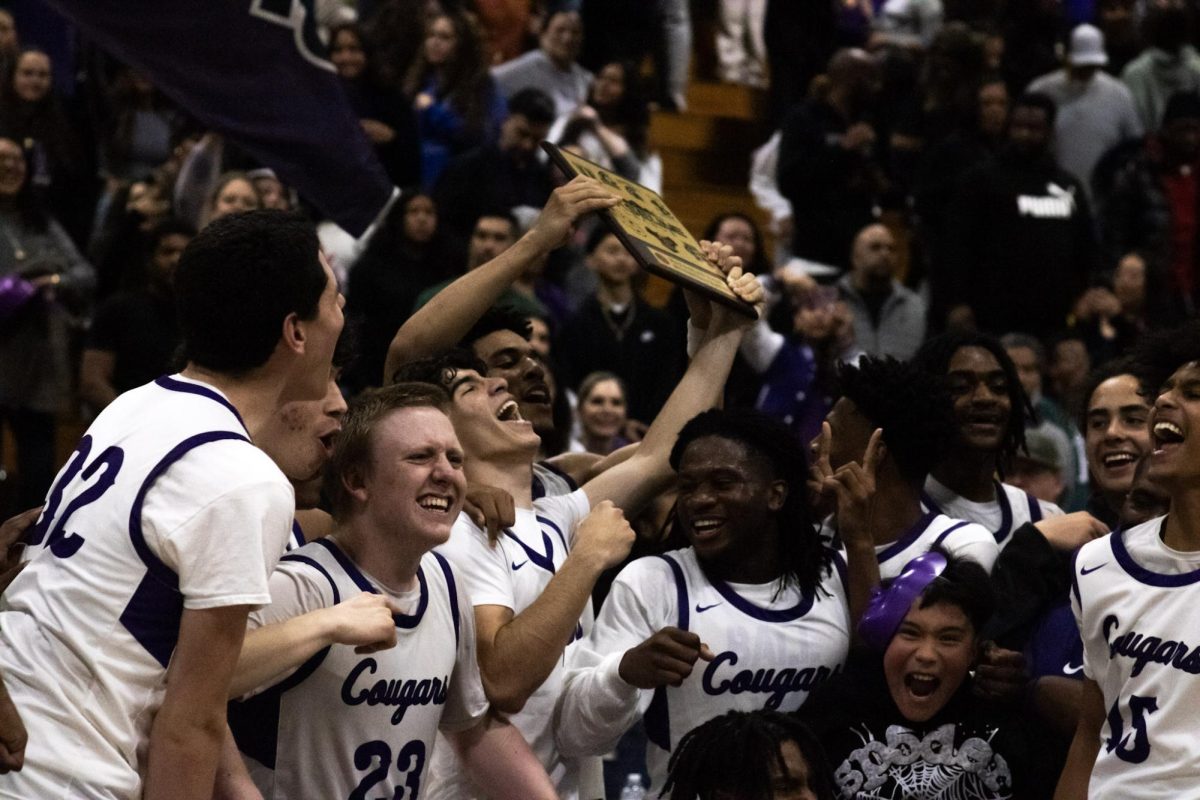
[{"x": 633, "y": 788}]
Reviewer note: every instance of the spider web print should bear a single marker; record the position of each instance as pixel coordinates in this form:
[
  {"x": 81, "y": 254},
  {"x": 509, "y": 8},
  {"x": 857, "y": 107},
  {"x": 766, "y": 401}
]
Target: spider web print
[{"x": 931, "y": 768}]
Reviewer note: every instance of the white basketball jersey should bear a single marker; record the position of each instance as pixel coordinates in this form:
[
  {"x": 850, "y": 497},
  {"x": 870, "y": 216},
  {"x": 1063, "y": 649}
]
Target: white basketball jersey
[
  {"x": 957, "y": 537},
  {"x": 351, "y": 725},
  {"x": 1011, "y": 509},
  {"x": 1138, "y": 607},
  {"x": 164, "y": 505},
  {"x": 770, "y": 651},
  {"x": 513, "y": 574}
]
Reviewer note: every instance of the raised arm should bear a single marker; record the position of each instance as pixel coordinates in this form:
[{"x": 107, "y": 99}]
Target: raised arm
[
  {"x": 647, "y": 472},
  {"x": 518, "y": 652},
  {"x": 447, "y": 317}
]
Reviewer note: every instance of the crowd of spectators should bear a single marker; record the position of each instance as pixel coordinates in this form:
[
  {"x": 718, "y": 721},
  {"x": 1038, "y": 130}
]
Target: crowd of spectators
[{"x": 1000, "y": 196}]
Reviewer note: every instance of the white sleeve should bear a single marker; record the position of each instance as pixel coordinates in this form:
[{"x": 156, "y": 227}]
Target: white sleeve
[
  {"x": 222, "y": 542},
  {"x": 566, "y": 511},
  {"x": 296, "y": 589},
  {"x": 764, "y": 165},
  {"x": 1077, "y": 612},
  {"x": 596, "y": 707},
  {"x": 974, "y": 542},
  {"x": 760, "y": 345},
  {"x": 482, "y": 568},
  {"x": 466, "y": 702}
]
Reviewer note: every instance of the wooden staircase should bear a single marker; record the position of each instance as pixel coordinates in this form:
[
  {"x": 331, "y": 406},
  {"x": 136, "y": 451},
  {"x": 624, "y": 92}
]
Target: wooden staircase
[{"x": 706, "y": 152}]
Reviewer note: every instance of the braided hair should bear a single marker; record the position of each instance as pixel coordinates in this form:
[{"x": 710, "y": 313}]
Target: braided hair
[{"x": 737, "y": 753}]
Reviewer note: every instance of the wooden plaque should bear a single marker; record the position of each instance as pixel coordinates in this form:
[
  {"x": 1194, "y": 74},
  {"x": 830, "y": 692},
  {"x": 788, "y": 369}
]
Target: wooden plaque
[{"x": 655, "y": 237}]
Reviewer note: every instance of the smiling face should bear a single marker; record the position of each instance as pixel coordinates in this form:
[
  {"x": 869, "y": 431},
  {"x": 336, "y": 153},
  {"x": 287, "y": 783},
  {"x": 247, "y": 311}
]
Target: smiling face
[
  {"x": 416, "y": 484},
  {"x": 299, "y": 439},
  {"x": 737, "y": 233},
  {"x": 612, "y": 263},
  {"x": 1175, "y": 430},
  {"x": 509, "y": 356},
  {"x": 487, "y": 418},
  {"x": 728, "y": 498},
  {"x": 602, "y": 411},
  {"x": 347, "y": 54},
  {"x": 928, "y": 659},
  {"x": 1117, "y": 435},
  {"x": 979, "y": 391}
]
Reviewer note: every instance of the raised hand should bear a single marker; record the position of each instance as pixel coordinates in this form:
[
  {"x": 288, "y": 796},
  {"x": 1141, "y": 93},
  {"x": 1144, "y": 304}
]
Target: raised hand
[
  {"x": 580, "y": 196},
  {"x": 604, "y": 537},
  {"x": 853, "y": 486},
  {"x": 665, "y": 659}
]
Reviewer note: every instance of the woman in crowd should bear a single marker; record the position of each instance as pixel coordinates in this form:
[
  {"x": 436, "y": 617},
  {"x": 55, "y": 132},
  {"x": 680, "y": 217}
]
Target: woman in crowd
[
  {"x": 902, "y": 720},
  {"x": 457, "y": 104},
  {"x": 407, "y": 254},
  {"x": 388, "y": 120},
  {"x": 610, "y": 128},
  {"x": 234, "y": 192},
  {"x": 602, "y": 415},
  {"x": 32, "y": 114},
  {"x": 44, "y": 279}
]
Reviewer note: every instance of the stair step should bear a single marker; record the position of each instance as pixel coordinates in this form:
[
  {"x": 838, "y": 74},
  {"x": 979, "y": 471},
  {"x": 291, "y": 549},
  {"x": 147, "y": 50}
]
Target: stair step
[
  {"x": 714, "y": 134},
  {"x": 705, "y": 167},
  {"x": 726, "y": 100}
]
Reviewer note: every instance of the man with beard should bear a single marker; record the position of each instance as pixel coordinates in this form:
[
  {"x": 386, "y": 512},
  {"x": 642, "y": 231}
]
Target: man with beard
[{"x": 1020, "y": 245}]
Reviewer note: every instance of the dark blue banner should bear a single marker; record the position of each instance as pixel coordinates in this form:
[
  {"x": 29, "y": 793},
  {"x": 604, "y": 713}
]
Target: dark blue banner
[{"x": 255, "y": 71}]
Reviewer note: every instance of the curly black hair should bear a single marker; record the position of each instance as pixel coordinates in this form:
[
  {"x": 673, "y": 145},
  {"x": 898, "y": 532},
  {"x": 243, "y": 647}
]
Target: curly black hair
[
  {"x": 498, "y": 318},
  {"x": 935, "y": 356},
  {"x": 440, "y": 369},
  {"x": 804, "y": 559},
  {"x": 736, "y": 753},
  {"x": 1158, "y": 355},
  {"x": 909, "y": 404}
]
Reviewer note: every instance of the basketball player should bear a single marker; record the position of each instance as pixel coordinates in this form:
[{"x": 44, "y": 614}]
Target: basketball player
[
  {"x": 757, "y": 597},
  {"x": 990, "y": 408},
  {"x": 534, "y": 587},
  {"x": 916, "y": 423},
  {"x": 119, "y": 639},
  {"x": 336, "y": 721},
  {"x": 1136, "y": 597}
]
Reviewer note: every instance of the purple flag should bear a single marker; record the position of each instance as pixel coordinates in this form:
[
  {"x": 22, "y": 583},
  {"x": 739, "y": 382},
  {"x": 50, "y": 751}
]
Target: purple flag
[{"x": 256, "y": 71}]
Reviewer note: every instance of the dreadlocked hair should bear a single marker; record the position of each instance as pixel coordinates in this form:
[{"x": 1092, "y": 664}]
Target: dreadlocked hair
[
  {"x": 911, "y": 407},
  {"x": 803, "y": 558},
  {"x": 736, "y": 754},
  {"x": 1158, "y": 355},
  {"x": 440, "y": 369},
  {"x": 935, "y": 356}
]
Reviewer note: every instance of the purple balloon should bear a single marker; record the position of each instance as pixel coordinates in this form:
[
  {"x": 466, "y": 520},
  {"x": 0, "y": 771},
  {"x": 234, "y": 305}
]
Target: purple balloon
[{"x": 887, "y": 607}]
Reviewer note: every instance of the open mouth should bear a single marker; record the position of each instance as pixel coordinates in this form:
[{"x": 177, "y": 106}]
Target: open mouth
[
  {"x": 704, "y": 528},
  {"x": 921, "y": 684},
  {"x": 1119, "y": 459},
  {"x": 434, "y": 502},
  {"x": 327, "y": 442},
  {"x": 509, "y": 412},
  {"x": 538, "y": 393},
  {"x": 1166, "y": 435}
]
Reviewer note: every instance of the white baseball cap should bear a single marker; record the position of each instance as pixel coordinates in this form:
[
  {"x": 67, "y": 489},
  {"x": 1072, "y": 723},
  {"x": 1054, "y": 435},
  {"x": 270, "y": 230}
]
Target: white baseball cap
[{"x": 1087, "y": 47}]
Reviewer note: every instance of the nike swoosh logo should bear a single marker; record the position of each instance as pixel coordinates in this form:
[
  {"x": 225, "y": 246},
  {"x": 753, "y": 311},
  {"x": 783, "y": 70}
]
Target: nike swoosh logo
[
  {"x": 1090, "y": 570},
  {"x": 517, "y": 566},
  {"x": 701, "y": 609},
  {"x": 1071, "y": 669}
]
